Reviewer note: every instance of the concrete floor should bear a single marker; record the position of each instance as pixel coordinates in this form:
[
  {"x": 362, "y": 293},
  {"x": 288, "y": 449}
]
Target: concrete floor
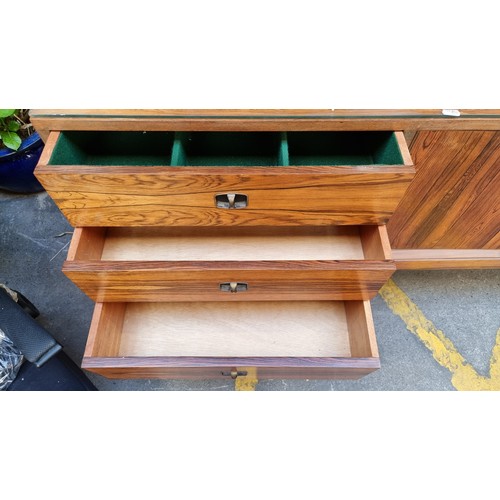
[{"x": 465, "y": 305}]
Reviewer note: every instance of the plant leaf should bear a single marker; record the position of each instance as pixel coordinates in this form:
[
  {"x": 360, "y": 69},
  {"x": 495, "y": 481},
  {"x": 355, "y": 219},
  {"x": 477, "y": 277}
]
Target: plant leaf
[
  {"x": 10, "y": 139},
  {"x": 4, "y": 113},
  {"x": 13, "y": 126}
]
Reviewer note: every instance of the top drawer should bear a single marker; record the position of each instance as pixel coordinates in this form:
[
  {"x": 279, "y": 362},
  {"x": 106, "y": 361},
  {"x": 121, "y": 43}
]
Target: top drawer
[{"x": 225, "y": 178}]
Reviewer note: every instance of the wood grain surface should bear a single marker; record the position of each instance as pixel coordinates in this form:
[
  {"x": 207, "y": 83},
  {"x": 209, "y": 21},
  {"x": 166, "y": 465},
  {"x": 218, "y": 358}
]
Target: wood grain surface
[
  {"x": 419, "y": 259},
  {"x": 156, "y": 264},
  {"x": 212, "y": 244},
  {"x": 241, "y": 113},
  {"x": 362, "y": 340},
  {"x": 46, "y": 120},
  {"x": 453, "y": 202},
  {"x": 108, "y": 196},
  {"x": 197, "y": 368},
  {"x": 304, "y": 329},
  {"x": 152, "y": 196},
  {"x": 105, "y": 329},
  {"x": 87, "y": 244},
  {"x": 286, "y": 281},
  {"x": 375, "y": 242},
  {"x": 150, "y": 339}
]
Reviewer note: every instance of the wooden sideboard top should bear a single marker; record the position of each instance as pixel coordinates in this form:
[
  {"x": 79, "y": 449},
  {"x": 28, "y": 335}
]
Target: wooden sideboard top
[{"x": 263, "y": 119}]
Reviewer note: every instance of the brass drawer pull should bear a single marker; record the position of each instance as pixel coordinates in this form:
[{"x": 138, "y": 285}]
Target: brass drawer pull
[
  {"x": 234, "y": 374},
  {"x": 231, "y": 201},
  {"x": 233, "y": 287}
]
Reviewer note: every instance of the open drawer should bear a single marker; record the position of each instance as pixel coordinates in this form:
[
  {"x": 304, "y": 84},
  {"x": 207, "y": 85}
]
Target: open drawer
[
  {"x": 235, "y": 263},
  {"x": 228, "y": 339},
  {"x": 115, "y": 179}
]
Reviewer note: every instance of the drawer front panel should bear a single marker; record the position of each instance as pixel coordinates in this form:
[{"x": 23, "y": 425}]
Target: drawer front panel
[
  {"x": 270, "y": 340},
  {"x": 338, "y": 370},
  {"x": 347, "y": 281},
  {"x": 90, "y": 196}
]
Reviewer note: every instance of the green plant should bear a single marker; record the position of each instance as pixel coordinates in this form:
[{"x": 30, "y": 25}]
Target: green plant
[{"x": 14, "y": 127}]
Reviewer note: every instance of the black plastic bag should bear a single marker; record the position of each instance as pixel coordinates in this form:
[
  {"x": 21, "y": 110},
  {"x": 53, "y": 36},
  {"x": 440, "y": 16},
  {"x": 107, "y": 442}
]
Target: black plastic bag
[{"x": 11, "y": 360}]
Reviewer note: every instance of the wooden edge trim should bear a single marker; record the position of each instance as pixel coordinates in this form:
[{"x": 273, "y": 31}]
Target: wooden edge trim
[
  {"x": 44, "y": 134},
  {"x": 413, "y": 259},
  {"x": 403, "y": 147},
  {"x": 221, "y": 112},
  {"x": 371, "y": 363},
  {"x": 50, "y": 144},
  {"x": 385, "y": 242},
  {"x": 266, "y": 124},
  {"x": 200, "y": 267},
  {"x": 262, "y": 119},
  {"x": 372, "y": 339},
  {"x": 268, "y": 171},
  {"x": 93, "y": 331},
  {"x": 361, "y": 329},
  {"x": 74, "y": 245}
]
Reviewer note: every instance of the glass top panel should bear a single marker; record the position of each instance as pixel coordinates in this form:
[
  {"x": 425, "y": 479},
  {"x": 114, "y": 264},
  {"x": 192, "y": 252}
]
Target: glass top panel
[{"x": 263, "y": 114}]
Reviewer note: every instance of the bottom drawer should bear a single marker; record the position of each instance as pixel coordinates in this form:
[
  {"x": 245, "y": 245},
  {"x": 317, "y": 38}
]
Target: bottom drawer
[{"x": 313, "y": 339}]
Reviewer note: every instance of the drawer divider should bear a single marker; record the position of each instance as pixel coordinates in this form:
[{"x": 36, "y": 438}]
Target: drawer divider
[
  {"x": 284, "y": 157},
  {"x": 178, "y": 158}
]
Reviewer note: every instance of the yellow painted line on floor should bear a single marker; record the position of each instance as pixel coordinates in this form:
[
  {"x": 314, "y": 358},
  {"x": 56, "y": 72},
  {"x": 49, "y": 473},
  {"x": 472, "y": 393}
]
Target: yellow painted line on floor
[
  {"x": 464, "y": 377},
  {"x": 248, "y": 382},
  {"x": 245, "y": 384}
]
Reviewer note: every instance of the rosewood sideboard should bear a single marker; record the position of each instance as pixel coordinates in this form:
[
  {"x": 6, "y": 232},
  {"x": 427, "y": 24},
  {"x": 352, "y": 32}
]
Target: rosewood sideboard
[{"x": 233, "y": 243}]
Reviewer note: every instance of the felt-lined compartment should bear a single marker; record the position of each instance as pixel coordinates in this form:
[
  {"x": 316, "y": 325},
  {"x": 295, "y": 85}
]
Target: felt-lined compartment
[
  {"x": 211, "y": 149},
  {"x": 229, "y": 148},
  {"x": 113, "y": 148},
  {"x": 343, "y": 148}
]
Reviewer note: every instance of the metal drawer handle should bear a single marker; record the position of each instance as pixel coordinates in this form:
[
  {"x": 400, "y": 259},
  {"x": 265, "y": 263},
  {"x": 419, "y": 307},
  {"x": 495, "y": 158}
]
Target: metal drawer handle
[
  {"x": 234, "y": 374},
  {"x": 231, "y": 201},
  {"x": 233, "y": 287}
]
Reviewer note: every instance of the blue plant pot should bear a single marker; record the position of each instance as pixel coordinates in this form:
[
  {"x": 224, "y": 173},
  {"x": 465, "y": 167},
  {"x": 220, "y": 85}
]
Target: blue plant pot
[{"x": 16, "y": 167}]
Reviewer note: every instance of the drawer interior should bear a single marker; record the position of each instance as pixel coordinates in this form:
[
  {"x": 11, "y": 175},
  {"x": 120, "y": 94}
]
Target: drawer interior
[
  {"x": 211, "y": 149},
  {"x": 228, "y": 148},
  {"x": 343, "y": 148},
  {"x": 236, "y": 329},
  {"x": 231, "y": 244},
  {"x": 113, "y": 148}
]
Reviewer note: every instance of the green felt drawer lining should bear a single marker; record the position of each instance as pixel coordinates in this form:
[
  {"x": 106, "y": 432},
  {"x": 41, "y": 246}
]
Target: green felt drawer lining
[
  {"x": 211, "y": 149},
  {"x": 113, "y": 148}
]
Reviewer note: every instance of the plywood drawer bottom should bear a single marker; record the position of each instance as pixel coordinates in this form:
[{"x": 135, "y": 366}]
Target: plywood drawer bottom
[{"x": 313, "y": 339}]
